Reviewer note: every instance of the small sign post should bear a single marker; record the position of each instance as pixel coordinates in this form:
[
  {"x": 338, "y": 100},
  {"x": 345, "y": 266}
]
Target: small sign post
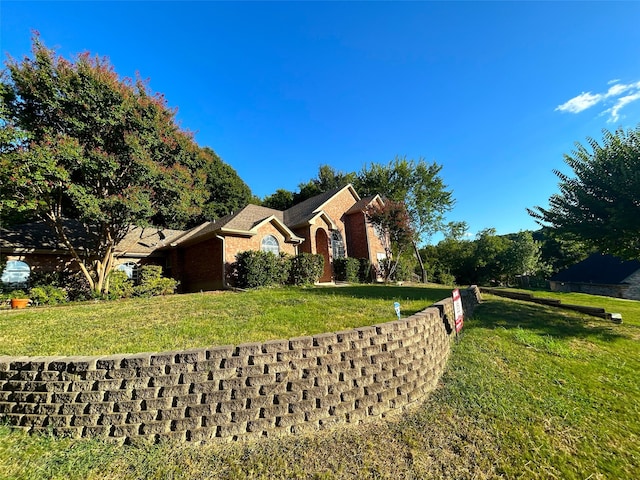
[
  {"x": 458, "y": 311},
  {"x": 396, "y": 307}
]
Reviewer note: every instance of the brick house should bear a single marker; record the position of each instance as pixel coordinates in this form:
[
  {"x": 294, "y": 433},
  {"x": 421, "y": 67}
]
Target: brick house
[
  {"x": 33, "y": 248},
  {"x": 600, "y": 275},
  {"x": 332, "y": 224}
]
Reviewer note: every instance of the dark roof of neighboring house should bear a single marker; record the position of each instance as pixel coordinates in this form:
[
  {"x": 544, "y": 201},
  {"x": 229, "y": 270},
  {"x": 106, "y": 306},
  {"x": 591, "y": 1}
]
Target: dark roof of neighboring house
[
  {"x": 39, "y": 237},
  {"x": 599, "y": 269}
]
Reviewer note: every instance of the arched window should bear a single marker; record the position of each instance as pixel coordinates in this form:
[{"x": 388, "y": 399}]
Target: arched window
[
  {"x": 15, "y": 273},
  {"x": 337, "y": 244},
  {"x": 131, "y": 269},
  {"x": 270, "y": 244}
]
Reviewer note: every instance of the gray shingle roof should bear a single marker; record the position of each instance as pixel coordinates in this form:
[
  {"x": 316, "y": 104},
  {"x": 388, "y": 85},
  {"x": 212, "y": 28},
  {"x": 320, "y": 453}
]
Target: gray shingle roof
[
  {"x": 304, "y": 211},
  {"x": 242, "y": 221},
  {"x": 38, "y": 236}
]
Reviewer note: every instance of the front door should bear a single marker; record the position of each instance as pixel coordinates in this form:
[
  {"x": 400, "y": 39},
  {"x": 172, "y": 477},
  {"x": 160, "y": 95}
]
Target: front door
[{"x": 322, "y": 248}]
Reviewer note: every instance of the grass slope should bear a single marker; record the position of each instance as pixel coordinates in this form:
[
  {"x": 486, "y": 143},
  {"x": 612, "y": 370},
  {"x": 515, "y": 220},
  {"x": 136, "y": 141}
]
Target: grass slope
[
  {"x": 529, "y": 392},
  {"x": 204, "y": 319}
]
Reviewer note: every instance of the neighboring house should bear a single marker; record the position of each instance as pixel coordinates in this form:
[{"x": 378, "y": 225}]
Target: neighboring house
[
  {"x": 600, "y": 275},
  {"x": 332, "y": 224},
  {"x": 34, "y": 248}
]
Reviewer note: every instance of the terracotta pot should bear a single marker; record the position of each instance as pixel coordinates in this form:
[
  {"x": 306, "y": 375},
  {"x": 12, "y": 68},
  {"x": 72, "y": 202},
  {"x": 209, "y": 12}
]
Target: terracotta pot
[{"x": 19, "y": 302}]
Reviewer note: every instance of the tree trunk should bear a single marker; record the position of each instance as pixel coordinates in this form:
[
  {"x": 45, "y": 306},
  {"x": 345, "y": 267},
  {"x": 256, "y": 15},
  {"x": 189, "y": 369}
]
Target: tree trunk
[{"x": 422, "y": 270}]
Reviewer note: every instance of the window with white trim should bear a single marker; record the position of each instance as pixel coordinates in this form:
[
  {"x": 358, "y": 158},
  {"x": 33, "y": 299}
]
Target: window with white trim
[
  {"x": 337, "y": 244},
  {"x": 131, "y": 269},
  {"x": 270, "y": 244}
]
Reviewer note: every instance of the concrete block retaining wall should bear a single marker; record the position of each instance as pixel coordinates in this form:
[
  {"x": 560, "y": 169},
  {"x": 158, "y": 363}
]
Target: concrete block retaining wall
[{"x": 232, "y": 392}]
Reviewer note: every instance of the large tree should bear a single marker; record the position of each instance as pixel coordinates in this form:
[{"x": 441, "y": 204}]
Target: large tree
[
  {"x": 227, "y": 191},
  {"x": 419, "y": 186},
  {"x": 600, "y": 204},
  {"x": 391, "y": 221},
  {"x": 79, "y": 142},
  {"x": 415, "y": 183}
]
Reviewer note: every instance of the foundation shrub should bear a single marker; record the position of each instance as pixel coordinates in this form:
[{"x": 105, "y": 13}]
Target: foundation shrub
[
  {"x": 74, "y": 284},
  {"x": 347, "y": 269},
  {"x": 120, "y": 286},
  {"x": 260, "y": 269},
  {"x": 152, "y": 283},
  {"x": 366, "y": 273},
  {"x": 306, "y": 269},
  {"x": 47, "y": 295}
]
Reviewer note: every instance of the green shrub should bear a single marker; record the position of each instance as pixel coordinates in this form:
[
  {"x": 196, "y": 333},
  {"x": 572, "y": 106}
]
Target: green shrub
[
  {"x": 77, "y": 287},
  {"x": 17, "y": 293},
  {"x": 365, "y": 271},
  {"x": 445, "y": 278},
  {"x": 306, "y": 269},
  {"x": 403, "y": 271},
  {"x": 152, "y": 283},
  {"x": 120, "y": 285},
  {"x": 346, "y": 269},
  {"x": 260, "y": 269},
  {"x": 48, "y": 295}
]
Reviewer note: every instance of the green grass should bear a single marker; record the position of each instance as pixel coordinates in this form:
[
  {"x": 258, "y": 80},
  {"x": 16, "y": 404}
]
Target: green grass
[
  {"x": 529, "y": 392},
  {"x": 203, "y": 319}
]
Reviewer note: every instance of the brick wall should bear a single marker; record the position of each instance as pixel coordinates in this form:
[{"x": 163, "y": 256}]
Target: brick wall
[{"x": 232, "y": 392}]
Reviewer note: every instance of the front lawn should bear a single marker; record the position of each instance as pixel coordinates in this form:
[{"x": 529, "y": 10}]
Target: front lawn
[
  {"x": 178, "y": 322},
  {"x": 529, "y": 392}
]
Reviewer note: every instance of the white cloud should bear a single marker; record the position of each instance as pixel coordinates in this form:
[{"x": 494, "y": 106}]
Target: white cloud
[
  {"x": 580, "y": 103},
  {"x": 613, "y": 96},
  {"x": 620, "y": 103}
]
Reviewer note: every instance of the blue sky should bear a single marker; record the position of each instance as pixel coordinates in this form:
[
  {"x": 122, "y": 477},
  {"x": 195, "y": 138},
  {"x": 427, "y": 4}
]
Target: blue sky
[{"x": 495, "y": 92}]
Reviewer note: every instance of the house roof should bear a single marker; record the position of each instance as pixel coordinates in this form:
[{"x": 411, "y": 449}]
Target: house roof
[
  {"x": 141, "y": 241},
  {"x": 599, "y": 269},
  {"x": 362, "y": 204},
  {"x": 244, "y": 222},
  {"x": 305, "y": 211},
  {"x": 38, "y": 237}
]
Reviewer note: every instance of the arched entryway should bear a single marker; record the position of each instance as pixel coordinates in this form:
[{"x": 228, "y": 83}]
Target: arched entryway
[{"x": 322, "y": 248}]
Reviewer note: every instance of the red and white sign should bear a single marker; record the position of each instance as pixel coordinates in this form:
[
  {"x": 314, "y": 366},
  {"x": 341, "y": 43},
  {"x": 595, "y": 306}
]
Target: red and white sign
[{"x": 457, "y": 310}]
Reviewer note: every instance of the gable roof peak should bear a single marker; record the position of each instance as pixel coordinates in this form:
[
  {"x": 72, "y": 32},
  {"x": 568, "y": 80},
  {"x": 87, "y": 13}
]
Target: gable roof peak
[{"x": 304, "y": 211}]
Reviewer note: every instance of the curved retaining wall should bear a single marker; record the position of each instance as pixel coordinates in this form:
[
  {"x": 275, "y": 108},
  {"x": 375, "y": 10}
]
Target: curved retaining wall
[{"x": 227, "y": 393}]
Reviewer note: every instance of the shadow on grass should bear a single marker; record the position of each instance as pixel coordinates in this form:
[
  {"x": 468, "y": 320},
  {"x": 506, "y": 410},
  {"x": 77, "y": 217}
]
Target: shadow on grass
[{"x": 502, "y": 313}]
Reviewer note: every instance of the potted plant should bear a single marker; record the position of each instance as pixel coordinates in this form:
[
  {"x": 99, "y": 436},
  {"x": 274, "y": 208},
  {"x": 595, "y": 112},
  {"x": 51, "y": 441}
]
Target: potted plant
[{"x": 19, "y": 299}]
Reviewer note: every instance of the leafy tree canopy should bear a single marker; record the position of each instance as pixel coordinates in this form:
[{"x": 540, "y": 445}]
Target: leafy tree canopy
[
  {"x": 77, "y": 141},
  {"x": 415, "y": 183},
  {"x": 227, "y": 191},
  {"x": 600, "y": 205},
  {"x": 490, "y": 258}
]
